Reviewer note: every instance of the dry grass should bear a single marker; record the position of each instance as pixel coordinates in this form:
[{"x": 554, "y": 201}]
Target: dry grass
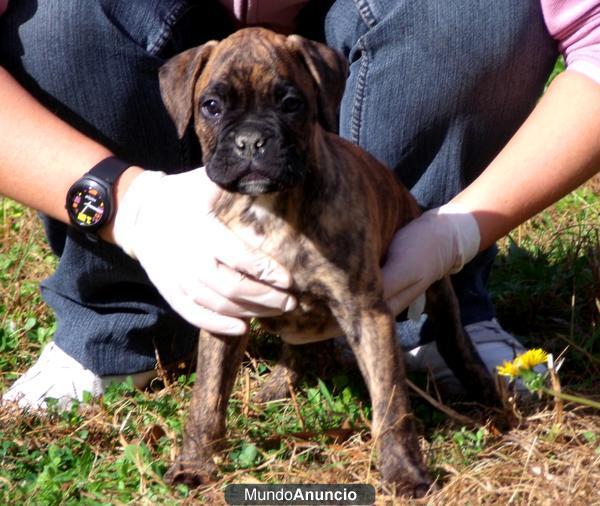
[{"x": 540, "y": 462}]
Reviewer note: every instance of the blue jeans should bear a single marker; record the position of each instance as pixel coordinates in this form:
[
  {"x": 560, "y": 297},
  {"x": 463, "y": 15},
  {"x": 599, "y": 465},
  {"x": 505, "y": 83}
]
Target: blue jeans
[{"x": 436, "y": 88}]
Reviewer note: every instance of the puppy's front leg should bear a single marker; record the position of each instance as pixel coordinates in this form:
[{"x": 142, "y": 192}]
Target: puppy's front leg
[
  {"x": 219, "y": 359},
  {"x": 370, "y": 332}
]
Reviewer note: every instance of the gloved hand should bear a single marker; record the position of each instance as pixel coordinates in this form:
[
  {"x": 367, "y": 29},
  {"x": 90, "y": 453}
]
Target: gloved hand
[
  {"x": 437, "y": 243},
  {"x": 205, "y": 272}
]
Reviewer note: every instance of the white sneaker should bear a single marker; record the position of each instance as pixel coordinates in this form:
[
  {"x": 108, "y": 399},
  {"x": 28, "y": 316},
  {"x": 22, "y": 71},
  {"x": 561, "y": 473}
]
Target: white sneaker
[
  {"x": 60, "y": 376},
  {"x": 493, "y": 344}
]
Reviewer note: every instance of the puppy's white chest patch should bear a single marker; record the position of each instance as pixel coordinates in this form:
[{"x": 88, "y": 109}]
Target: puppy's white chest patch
[{"x": 262, "y": 208}]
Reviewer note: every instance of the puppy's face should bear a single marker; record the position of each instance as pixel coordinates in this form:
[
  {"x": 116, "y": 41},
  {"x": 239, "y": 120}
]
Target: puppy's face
[
  {"x": 255, "y": 99},
  {"x": 254, "y": 110}
]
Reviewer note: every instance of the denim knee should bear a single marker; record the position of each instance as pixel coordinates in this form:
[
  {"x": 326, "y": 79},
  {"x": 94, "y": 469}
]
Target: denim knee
[{"x": 437, "y": 88}]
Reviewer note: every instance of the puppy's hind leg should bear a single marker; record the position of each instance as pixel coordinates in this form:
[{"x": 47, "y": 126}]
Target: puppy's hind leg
[
  {"x": 219, "y": 359},
  {"x": 454, "y": 345}
]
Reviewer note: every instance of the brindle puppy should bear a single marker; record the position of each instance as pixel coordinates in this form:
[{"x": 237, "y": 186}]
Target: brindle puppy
[{"x": 264, "y": 109}]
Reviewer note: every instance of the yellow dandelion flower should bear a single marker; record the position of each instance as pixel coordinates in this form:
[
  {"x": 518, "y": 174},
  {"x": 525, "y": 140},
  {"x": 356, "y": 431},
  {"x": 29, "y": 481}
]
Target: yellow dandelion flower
[
  {"x": 508, "y": 369},
  {"x": 518, "y": 362},
  {"x": 524, "y": 362},
  {"x": 531, "y": 358}
]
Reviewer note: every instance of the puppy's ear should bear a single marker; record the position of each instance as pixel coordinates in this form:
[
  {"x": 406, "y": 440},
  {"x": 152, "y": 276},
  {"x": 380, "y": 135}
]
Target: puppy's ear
[
  {"x": 329, "y": 70},
  {"x": 177, "y": 78}
]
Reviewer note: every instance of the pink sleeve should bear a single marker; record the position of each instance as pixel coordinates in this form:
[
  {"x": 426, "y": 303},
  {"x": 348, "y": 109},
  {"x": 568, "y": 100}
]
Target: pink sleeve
[
  {"x": 575, "y": 24},
  {"x": 3, "y": 5}
]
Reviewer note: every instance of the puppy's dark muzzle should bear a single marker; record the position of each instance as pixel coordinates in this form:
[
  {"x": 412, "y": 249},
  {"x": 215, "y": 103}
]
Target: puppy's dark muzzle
[{"x": 253, "y": 158}]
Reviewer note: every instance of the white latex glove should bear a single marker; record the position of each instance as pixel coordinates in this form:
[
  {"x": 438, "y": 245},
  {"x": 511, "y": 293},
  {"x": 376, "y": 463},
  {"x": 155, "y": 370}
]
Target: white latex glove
[
  {"x": 205, "y": 272},
  {"x": 439, "y": 242}
]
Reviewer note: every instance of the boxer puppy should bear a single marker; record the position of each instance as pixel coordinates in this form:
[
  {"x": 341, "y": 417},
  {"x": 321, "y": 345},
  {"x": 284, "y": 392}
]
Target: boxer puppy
[{"x": 264, "y": 108}]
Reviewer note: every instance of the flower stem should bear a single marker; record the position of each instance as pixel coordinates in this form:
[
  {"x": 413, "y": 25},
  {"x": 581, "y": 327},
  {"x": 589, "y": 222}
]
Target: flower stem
[{"x": 572, "y": 398}]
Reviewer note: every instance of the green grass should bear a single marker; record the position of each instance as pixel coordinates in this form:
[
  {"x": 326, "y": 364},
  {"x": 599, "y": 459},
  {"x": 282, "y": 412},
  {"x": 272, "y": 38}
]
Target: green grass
[
  {"x": 116, "y": 450},
  {"x": 68, "y": 459},
  {"x": 546, "y": 282}
]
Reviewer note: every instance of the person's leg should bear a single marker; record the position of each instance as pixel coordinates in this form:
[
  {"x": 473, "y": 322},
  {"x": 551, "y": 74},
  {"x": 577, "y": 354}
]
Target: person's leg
[
  {"x": 95, "y": 64},
  {"x": 435, "y": 91}
]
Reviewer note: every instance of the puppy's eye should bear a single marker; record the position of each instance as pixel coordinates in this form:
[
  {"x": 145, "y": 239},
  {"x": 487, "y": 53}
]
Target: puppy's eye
[
  {"x": 211, "y": 108},
  {"x": 291, "y": 103}
]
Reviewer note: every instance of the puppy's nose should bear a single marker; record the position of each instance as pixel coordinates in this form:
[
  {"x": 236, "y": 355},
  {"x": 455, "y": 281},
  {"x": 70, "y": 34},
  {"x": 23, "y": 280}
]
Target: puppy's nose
[{"x": 250, "y": 142}]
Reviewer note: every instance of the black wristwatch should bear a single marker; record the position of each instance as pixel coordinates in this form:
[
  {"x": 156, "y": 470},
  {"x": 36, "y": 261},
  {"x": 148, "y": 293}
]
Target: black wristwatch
[{"x": 90, "y": 200}]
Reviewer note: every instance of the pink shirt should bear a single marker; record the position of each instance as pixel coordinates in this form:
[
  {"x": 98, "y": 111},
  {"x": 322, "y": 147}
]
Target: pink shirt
[{"x": 575, "y": 24}]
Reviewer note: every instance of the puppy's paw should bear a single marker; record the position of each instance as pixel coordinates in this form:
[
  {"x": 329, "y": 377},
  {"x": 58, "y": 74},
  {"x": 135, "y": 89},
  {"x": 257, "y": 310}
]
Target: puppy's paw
[
  {"x": 401, "y": 465},
  {"x": 396, "y": 482},
  {"x": 272, "y": 390},
  {"x": 192, "y": 473}
]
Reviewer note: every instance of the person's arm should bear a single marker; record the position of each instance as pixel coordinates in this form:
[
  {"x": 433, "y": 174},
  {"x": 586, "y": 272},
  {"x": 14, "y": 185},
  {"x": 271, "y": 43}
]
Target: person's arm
[
  {"x": 41, "y": 156},
  {"x": 555, "y": 151},
  {"x": 209, "y": 276}
]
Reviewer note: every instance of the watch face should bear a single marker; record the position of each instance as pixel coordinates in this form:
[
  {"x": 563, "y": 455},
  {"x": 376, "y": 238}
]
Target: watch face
[{"x": 87, "y": 204}]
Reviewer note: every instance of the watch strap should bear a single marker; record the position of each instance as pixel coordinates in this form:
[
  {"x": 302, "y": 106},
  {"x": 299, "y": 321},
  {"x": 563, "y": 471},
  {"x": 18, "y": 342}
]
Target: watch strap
[
  {"x": 109, "y": 169},
  {"x": 99, "y": 181}
]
